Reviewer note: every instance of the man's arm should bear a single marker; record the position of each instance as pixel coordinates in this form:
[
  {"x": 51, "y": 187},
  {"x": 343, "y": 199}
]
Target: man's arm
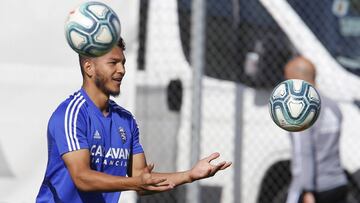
[
  {"x": 86, "y": 179},
  {"x": 308, "y": 159},
  {"x": 304, "y": 145},
  {"x": 203, "y": 169}
]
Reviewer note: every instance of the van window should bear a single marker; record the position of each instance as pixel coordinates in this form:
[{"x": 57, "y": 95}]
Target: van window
[
  {"x": 243, "y": 42},
  {"x": 336, "y": 24}
]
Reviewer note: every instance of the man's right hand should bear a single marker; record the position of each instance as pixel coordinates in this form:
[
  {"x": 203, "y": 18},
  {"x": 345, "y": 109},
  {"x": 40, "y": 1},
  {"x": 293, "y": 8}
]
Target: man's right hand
[
  {"x": 309, "y": 197},
  {"x": 88, "y": 180},
  {"x": 150, "y": 184}
]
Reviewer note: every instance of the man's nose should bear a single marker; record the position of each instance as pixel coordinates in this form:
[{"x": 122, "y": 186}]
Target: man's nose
[{"x": 121, "y": 69}]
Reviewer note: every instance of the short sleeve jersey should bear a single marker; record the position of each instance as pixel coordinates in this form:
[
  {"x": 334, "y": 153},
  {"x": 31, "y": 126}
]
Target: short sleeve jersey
[{"x": 78, "y": 124}]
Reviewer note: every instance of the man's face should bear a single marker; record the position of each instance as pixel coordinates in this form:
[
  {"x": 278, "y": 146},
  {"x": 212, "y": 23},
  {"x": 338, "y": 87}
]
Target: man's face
[{"x": 109, "y": 71}]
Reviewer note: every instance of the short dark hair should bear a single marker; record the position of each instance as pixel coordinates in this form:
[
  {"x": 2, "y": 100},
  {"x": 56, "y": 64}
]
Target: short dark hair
[
  {"x": 121, "y": 44},
  {"x": 82, "y": 58}
]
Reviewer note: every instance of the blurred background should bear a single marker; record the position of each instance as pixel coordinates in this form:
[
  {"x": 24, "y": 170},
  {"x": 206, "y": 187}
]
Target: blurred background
[{"x": 184, "y": 113}]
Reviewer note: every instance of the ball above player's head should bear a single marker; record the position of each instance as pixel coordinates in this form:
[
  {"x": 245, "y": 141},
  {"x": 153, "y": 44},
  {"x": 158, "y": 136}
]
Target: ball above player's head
[
  {"x": 92, "y": 29},
  {"x": 294, "y": 105}
]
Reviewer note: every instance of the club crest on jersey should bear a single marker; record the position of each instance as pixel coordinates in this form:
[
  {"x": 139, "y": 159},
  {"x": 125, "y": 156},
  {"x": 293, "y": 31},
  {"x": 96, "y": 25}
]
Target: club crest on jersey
[{"x": 122, "y": 134}]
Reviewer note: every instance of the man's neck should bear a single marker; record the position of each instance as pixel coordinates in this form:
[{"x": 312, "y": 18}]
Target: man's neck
[{"x": 99, "y": 98}]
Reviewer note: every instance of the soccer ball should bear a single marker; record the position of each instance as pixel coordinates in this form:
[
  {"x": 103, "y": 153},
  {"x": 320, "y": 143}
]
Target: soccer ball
[
  {"x": 294, "y": 105},
  {"x": 92, "y": 29}
]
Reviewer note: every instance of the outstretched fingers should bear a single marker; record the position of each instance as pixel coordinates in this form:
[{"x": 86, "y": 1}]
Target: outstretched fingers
[
  {"x": 212, "y": 157},
  {"x": 160, "y": 188},
  {"x": 159, "y": 184},
  {"x": 220, "y": 166},
  {"x": 156, "y": 181},
  {"x": 223, "y": 165},
  {"x": 216, "y": 168}
]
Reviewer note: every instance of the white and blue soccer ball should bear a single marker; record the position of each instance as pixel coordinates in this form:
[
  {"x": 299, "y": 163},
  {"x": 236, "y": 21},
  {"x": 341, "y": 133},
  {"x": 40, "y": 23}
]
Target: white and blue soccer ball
[
  {"x": 294, "y": 105},
  {"x": 92, "y": 29}
]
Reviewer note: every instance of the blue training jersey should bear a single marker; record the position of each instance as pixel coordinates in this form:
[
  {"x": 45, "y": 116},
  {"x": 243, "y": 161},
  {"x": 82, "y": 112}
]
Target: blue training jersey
[{"x": 78, "y": 124}]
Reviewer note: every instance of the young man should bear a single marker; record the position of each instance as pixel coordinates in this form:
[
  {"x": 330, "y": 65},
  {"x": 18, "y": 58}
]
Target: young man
[
  {"x": 317, "y": 175},
  {"x": 93, "y": 144}
]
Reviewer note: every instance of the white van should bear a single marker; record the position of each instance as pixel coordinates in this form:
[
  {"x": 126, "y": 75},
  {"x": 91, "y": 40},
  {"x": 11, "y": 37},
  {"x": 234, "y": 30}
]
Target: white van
[{"x": 247, "y": 44}]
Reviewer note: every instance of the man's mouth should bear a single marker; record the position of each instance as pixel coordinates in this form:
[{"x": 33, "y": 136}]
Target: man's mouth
[{"x": 117, "y": 79}]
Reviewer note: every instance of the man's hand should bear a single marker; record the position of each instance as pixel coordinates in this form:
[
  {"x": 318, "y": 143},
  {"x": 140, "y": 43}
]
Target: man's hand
[
  {"x": 204, "y": 169},
  {"x": 308, "y": 197},
  {"x": 150, "y": 184}
]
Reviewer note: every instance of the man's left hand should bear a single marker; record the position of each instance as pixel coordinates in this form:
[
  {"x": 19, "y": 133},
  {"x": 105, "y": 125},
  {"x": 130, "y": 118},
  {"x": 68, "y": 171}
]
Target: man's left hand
[{"x": 204, "y": 169}]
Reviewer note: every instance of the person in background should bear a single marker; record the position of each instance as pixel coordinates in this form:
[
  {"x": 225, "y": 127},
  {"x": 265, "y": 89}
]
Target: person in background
[{"x": 317, "y": 174}]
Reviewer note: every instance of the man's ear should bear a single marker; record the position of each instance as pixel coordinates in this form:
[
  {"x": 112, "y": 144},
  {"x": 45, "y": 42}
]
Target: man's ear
[{"x": 89, "y": 67}]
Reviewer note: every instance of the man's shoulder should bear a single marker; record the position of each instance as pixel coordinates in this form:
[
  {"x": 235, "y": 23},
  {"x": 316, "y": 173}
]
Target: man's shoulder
[
  {"x": 120, "y": 110},
  {"x": 71, "y": 105},
  {"x": 327, "y": 102}
]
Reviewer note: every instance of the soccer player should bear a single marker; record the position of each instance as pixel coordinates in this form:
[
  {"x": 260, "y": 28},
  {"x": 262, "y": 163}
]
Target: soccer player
[
  {"x": 93, "y": 144},
  {"x": 317, "y": 175}
]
